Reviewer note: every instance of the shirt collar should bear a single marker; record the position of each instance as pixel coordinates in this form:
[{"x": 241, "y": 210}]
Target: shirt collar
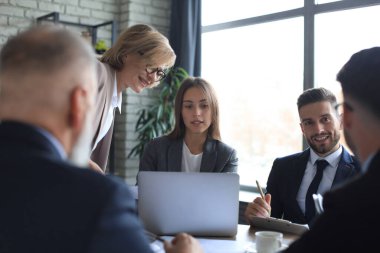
[
  {"x": 332, "y": 159},
  {"x": 116, "y": 98},
  {"x": 58, "y": 146}
]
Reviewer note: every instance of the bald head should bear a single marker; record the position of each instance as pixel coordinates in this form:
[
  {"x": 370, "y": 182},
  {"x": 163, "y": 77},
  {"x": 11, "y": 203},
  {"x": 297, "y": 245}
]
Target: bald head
[{"x": 47, "y": 78}]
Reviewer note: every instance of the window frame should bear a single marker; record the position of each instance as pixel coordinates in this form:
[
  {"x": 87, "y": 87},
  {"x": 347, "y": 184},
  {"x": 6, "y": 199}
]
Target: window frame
[{"x": 308, "y": 12}]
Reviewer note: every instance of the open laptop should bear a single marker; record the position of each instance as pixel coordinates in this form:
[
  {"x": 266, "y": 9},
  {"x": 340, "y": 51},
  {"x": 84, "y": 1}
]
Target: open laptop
[{"x": 201, "y": 204}]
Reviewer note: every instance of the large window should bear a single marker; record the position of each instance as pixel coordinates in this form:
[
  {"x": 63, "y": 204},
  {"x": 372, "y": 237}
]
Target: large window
[
  {"x": 219, "y": 11},
  {"x": 259, "y": 65},
  {"x": 257, "y": 79},
  {"x": 337, "y": 36}
]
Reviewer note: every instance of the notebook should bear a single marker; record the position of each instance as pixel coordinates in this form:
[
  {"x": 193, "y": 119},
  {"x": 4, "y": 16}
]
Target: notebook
[
  {"x": 201, "y": 204},
  {"x": 285, "y": 226}
]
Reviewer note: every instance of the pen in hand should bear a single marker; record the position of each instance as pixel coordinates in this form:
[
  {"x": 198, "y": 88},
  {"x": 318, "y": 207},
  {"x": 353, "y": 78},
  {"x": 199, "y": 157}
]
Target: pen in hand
[
  {"x": 262, "y": 194},
  {"x": 260, "y": 190}
]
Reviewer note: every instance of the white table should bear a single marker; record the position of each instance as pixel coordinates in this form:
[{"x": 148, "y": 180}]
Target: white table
[{"x": 238, "y": 244}]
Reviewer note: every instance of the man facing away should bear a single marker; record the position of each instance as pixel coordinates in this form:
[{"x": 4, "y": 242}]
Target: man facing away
[
  {"x": 47, "y": 203},
  {"x": 293, "y": 179},
  {"x": 350, "y": 221}
]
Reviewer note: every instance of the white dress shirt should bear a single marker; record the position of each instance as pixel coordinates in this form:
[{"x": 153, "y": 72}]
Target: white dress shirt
[
  {"x": 115, "y": 103},
  {"x": 311, "y": 169}
]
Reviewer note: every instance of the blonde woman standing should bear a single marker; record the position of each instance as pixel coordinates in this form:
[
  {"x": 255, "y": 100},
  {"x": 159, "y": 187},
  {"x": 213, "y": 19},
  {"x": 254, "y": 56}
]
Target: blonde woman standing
[{"x": 139, "y": 59}]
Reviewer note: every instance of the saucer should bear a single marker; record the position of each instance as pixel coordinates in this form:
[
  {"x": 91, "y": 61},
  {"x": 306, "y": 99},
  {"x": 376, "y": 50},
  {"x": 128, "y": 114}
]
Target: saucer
[{"x": 251, "y": 248}]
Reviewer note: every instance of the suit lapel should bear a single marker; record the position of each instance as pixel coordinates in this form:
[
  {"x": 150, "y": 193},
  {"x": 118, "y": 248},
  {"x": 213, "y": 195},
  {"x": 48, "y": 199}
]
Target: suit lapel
[
  {"x": 345, "y": 168},
  {"x": 300, "y": 166},
  {"x": 209, "y": 156},
  {"x": 106, "y": 76},
  {"x": 174, "y": 159}
]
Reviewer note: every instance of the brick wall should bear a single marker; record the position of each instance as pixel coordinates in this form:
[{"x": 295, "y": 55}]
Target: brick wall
[{"x": 16, "y": 15}]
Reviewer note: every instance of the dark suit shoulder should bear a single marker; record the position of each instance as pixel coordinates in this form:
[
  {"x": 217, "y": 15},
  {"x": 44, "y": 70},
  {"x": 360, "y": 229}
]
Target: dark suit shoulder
[
  {"x": 161, "y": 141},
  {"x": 285, "y": 167},
  {"x": 356, "y": 164},
  {"x": 226, "y": 158},
  {"x": 96, "y": 184},
  {"x": 293, "y": 156},
  {"x": 223, "y": 147},
  {"x": 54, "y": 196},
  {"x": 283, "y": 163}
]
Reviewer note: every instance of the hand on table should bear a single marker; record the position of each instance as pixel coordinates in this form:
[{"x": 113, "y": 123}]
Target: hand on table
[
  {"x": 183, "y": 243},
  {"x": 259, "y": 207}
]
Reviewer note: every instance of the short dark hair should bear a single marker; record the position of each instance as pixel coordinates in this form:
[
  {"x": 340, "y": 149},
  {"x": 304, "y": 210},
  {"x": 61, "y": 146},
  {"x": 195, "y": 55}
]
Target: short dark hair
[
  {"x": 360, "y": 78},
  {"x": 316, "y": 95}
]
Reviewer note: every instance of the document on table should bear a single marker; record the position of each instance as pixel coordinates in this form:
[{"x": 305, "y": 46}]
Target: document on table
[{"x": 285, "y": 226}]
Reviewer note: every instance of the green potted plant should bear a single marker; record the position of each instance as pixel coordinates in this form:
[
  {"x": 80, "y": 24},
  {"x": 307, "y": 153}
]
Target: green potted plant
[
  {"x": 158, "y": 119},
  {"x": 101, "y": 47}
]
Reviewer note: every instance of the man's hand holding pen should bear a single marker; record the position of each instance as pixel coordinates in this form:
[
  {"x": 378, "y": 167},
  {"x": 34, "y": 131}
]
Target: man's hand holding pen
[{"x": 259, "y": 207}]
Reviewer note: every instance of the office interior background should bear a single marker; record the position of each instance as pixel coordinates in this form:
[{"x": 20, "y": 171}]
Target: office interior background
[{"x": 258, "y": 55}]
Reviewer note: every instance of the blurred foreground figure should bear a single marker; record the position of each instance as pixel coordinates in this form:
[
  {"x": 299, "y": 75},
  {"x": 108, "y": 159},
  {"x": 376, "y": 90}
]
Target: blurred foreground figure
[{"x": 48, "y": 201}]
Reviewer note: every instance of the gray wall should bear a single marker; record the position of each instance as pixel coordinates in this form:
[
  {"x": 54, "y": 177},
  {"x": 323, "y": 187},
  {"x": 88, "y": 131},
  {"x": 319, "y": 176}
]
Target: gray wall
[{"x": 17, "y": 15}]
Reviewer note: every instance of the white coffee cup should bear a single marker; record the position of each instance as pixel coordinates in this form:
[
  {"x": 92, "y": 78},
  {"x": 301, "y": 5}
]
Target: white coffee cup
[{"x": 268, "y": 241}]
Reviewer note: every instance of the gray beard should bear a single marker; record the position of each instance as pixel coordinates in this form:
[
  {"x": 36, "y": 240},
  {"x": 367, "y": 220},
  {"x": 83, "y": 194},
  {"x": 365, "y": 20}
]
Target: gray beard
[{"x": 80, "y": 154}]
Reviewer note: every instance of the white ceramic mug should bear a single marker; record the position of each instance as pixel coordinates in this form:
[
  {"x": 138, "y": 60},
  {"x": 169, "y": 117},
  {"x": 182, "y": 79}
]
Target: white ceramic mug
[{"x": 268, "y": 241}]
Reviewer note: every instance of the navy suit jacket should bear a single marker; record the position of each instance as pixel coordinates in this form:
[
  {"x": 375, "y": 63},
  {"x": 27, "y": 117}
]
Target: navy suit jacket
[
  {"x": 350, "y": 218},
  {"x": 48, "y": 205},
  {"x": 164, "y": 154},
  {"x": 285, "y": 179}
]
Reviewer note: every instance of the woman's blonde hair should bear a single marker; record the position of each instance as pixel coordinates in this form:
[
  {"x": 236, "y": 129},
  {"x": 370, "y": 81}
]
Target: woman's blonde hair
[{"x": 145, "y": 40}]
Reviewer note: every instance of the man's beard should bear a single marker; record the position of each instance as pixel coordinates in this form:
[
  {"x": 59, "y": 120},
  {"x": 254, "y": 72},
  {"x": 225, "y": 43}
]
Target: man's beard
[
  {"x": 80, "y": 154},
  {"x": 325, "y": 149}
]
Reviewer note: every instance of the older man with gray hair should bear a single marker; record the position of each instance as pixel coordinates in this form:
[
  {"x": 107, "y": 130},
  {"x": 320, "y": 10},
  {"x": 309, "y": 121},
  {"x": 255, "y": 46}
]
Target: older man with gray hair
[{"x": 49, "y": 201}]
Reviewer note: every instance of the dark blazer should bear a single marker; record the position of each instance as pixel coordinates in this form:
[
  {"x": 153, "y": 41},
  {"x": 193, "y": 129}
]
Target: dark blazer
[
  {"x": 48, "y": 205},
  {"x": 350, "y": 220},
  {"x": 285, "y": 179},
  {"x": 165, "y": 154}
]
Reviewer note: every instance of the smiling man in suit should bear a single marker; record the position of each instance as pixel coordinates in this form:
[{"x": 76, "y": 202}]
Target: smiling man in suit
[
  {"x": 349, "y": 221},
  {"x": 326, "y": 164}
]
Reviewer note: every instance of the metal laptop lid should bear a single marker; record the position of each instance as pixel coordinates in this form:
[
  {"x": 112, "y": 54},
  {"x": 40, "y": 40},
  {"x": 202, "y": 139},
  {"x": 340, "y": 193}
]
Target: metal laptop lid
[{"x": 202, "y": 204}]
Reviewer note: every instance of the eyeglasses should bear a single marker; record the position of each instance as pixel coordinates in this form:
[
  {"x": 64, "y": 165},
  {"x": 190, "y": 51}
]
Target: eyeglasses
[
  {"x": 339, "y": 107},
  {"x": 159, "y": 73}
]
